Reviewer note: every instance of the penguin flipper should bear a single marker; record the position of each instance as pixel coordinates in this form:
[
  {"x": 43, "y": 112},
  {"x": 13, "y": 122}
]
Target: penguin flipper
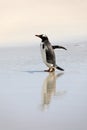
[
  {"x": 58, "y": 47},
  {"x": 59, "y": 68}
]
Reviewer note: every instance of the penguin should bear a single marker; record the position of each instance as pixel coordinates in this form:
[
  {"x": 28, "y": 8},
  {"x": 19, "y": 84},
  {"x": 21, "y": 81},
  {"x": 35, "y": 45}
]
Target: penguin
[{"x": 48, "y": 54}]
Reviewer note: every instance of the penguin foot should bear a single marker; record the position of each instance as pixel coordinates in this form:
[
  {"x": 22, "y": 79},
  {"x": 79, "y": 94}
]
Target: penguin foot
[{"x": 50, "y": 69}]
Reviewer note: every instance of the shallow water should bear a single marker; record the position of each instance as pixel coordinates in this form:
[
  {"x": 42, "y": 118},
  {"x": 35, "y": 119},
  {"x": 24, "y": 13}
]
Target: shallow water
[{"x": 33, "y": 99}]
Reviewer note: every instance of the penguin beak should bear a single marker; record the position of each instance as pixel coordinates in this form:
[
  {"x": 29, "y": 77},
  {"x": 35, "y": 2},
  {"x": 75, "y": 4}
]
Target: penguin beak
[{"x": 37, "y": 36}]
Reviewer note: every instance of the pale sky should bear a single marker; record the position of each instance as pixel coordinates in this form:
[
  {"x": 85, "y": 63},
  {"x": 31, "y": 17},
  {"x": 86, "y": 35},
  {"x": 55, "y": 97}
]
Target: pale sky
[{"x": 61, "y": 20}]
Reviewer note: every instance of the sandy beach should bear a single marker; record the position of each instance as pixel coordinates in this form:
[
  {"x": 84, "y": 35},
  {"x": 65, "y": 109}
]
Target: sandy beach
[{"x": 31, "y": 99}]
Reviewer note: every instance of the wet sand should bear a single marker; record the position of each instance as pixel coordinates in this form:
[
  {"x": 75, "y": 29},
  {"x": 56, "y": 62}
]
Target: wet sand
[{"x": 31, "y": 99}]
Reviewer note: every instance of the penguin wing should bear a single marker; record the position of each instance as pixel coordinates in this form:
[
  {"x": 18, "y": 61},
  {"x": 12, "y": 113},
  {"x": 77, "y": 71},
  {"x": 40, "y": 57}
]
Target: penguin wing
[
  {"x": 58, "y": 47},
  {"x": 50, "y": 56}
]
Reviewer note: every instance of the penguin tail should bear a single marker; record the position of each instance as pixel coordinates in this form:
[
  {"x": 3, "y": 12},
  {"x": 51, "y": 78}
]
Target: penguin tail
[{"x": 59, "y": 68}]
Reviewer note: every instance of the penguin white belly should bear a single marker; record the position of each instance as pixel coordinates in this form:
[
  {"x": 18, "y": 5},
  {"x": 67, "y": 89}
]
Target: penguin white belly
[{"x": 43, "y": 53}]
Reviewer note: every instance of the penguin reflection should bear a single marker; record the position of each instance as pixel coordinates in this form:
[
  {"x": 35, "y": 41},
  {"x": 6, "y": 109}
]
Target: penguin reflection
[{"x": 49, "y": 88}]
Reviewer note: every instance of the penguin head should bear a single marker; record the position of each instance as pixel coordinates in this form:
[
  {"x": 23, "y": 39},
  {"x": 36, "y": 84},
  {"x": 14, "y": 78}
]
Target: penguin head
[{"x": 43, "y": 37}]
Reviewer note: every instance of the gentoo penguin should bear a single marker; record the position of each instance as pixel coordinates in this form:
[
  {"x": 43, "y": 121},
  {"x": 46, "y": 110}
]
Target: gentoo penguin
[{"x": 48, "y": 55}]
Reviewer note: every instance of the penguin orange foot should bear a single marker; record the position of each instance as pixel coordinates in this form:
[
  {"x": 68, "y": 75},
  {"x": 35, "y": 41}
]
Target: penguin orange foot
[{"x": 50, "y": 70}]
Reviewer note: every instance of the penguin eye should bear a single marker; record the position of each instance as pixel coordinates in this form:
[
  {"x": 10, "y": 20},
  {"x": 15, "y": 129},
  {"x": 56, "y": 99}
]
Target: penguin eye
[{"x": 43, "y": 35}]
